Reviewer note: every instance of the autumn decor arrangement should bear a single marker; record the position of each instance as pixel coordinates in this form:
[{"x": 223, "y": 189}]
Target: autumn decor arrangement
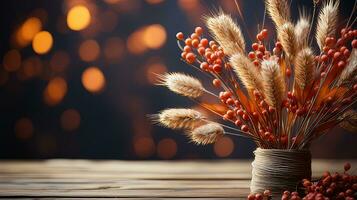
[{"x": 282, "y": 93}]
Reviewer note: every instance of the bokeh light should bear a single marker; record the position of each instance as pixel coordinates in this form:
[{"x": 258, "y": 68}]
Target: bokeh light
[
  {"x": 166, "y": 148},
  {"x": 70, "y": 119},
  {"x": 149, "y": 37},
  {"x": 28, "y": 30},
  {"x": 23, "y": 128},
  {"x": 89, "y": 50},
  {"x": 93, "y": 79},
  {"x": 55, "y": 91},
  {"x": 12, "y": 60},
  {"x": 154, "y": 36},
  {"x": 78, "y": 18},
  {"x": 42, "y": 42},
  {"x": 135, "y": 44},
  {"x": 144, "y": 146},
  {"x": 224, "y": 147}
]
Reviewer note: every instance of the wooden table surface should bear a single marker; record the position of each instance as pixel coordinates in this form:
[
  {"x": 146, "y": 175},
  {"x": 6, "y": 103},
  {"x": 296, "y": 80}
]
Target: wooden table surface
[{"x": 83, "y": 179}]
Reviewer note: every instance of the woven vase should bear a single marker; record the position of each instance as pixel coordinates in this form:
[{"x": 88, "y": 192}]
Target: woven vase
[{"x": 279, "y": 170}]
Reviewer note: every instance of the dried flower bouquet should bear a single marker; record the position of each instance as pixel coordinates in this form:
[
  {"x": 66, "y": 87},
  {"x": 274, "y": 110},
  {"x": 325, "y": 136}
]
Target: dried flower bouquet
[{"x": 282, "y": 98}]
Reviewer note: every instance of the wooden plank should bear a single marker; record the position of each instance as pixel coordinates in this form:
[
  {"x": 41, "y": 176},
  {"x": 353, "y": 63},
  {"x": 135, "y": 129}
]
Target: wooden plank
[
  {"x": 133, "y": 179},
  {"x": 114, "y": 192}
]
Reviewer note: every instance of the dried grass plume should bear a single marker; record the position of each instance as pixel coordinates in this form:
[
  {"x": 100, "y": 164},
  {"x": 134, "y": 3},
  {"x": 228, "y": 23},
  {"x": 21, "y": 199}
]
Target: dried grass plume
[
  {"x": 274, "y": 84},
  {"x": 227, "y": 33},
  {"x": 279, "y": 11},
  {"x": 182, "y": 84},
  {"x": 207, "y": 133},
  {"x": 301, "y": 30},
  {"x": 178, "y": 118},
  {"x": 327, "y": 22},
  {"x": 247, "y": 72},
  {"x": 286, "y": 35},
  {"x": 304, "y": 68}
]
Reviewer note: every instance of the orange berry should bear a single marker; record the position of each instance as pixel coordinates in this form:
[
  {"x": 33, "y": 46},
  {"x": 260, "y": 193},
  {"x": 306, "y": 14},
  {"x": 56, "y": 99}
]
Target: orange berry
[
  {"x": 341, "y": 64},
  {"x": 217, "y": 68},
  {"x": 230, "y": 101},
  {"x": 216, "y": 82},
  {"x": 230, "y": 113},
  {"x": 288, "y": 72},
  {"x": 337, "y": 55},
  {"x": 198, "y": 30},
  {"x": 201, "y": 50},
  {"x": 195, "y": 43},
  {"x": 187, "y": 49},
  {"x": 213, "y": 56},
  {"x": 238, "y": 122},
  {"x": 183, "y": 55},
  {"x": 244, "y": 128},
  {"x": 214, "y": 47},
  {"x": 204, "y": 66},
  {"x": 190, "y": 57},
  {"x": 188, "y": 42},
  {"x": 194, "y": 36},
  {"x": 278, "y": 45},
  {"x": 204, "y": 42},
  {"x": 179, "y": 36},
  {"x": 324, "y": 58},
  {"x": 245, "y": 117}
]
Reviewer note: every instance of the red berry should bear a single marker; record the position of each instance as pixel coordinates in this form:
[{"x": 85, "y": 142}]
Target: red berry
[
  {"x": 261, "y": 48},
  {"x": 278, "y": 45},
  {"x": 354, "y": 43},
  {"x": 251, "y": 55},
  {"x": 216, "y": 82},
  {"x": 238, "y": 122},
  {"x": 336, "y": 55},
  {"x": 264, "y": 33},
  {"x": 260, "y": 37},
  {"x": 341, "y": 64},
  {"x": 244, "y": 128},
  {"x": 255, "y": 46}
]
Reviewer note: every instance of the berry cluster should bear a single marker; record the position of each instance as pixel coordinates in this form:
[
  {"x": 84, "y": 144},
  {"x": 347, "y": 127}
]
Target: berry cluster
[{"x": 330, "y": 186}]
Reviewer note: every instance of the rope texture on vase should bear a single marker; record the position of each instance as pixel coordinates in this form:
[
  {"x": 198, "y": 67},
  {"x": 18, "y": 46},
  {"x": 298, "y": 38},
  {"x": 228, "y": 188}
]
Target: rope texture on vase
[{"x": 279, "y": 169}]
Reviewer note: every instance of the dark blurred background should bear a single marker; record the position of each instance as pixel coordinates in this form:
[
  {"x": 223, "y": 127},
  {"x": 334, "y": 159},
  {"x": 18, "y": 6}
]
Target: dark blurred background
[{"x": 76, "y": 78}]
